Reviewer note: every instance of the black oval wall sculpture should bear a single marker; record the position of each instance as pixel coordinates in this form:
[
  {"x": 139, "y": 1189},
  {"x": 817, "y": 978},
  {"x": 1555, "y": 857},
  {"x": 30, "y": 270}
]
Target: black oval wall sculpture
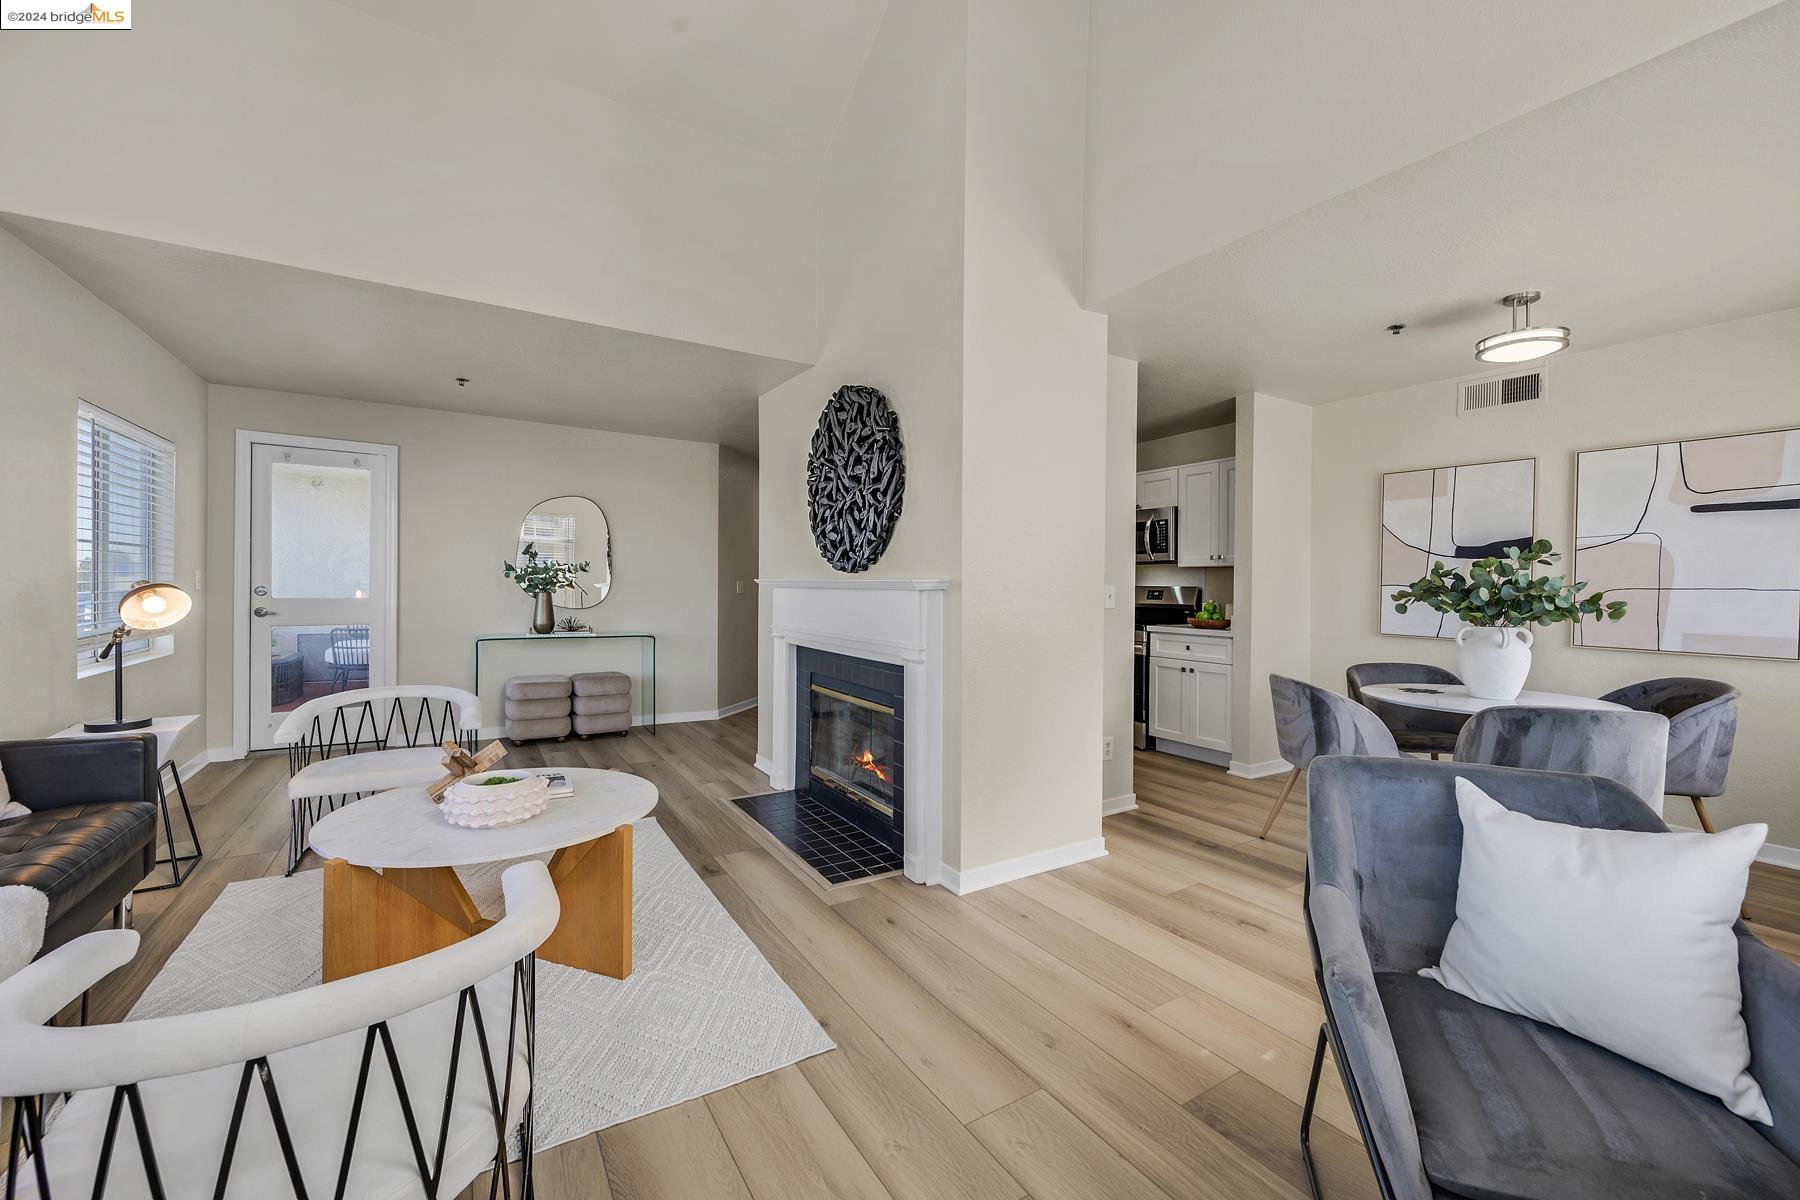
[{"x": 855, "y": 478}]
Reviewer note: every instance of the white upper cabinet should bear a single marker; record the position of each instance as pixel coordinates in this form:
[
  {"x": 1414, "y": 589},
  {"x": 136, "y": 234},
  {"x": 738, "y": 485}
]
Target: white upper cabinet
[
  {"x": 1206, "y": 494},
  {"x": 1156, "y": 489},
  {"x": 1227, "y": 508}
]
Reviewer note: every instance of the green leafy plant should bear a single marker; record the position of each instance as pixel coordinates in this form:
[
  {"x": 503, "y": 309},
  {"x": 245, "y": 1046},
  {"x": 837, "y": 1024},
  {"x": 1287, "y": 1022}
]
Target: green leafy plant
[
  {"x": 495, "y": 780},
  {"x": 535, "y": 574},
  {"x": 1504, "y": 592}
]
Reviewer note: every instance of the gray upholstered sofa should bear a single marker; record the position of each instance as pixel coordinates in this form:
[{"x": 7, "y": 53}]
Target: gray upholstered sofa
[{"x": 1456, "y": 1099}]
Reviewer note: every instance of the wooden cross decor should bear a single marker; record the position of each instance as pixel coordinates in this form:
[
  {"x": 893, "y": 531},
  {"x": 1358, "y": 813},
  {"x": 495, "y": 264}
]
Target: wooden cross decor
[{"x": 461, "y": 764}]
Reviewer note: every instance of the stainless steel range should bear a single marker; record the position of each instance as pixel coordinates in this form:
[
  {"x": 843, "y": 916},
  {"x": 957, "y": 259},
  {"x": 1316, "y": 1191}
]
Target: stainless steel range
[{"x": 1158, "y": 604}]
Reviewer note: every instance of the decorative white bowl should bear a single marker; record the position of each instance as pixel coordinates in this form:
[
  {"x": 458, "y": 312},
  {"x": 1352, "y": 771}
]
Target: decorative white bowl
[{"x": 489, "y": 806}]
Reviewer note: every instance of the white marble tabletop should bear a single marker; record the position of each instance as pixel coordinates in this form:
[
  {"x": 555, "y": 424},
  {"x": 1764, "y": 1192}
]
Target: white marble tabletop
[
  {"x": 1454, "y": 697},
  {"x": 403, "y": 828},
  {"x": 165, "y": 729}
]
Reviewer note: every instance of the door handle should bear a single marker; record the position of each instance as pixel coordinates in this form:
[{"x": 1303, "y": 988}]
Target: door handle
[{"x": 260, "y": 611}]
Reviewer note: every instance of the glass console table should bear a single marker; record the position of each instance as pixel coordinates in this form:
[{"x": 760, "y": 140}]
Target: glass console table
[{"x": 646, "y": 661}]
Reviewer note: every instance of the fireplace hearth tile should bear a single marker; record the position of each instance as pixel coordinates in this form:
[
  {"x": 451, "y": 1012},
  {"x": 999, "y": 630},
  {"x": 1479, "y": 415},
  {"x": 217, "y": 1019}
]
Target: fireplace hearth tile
[{"x": 825, "y": 841}]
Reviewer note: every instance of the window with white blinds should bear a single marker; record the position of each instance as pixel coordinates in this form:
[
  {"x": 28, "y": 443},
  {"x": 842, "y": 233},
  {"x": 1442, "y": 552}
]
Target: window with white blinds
[
  {"x": 124, "y": 520},
  {"x": 552, "y": 535}
]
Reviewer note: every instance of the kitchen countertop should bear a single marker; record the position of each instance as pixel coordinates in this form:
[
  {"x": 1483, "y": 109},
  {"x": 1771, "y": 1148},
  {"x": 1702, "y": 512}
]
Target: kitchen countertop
[{"x": 1187, "y": 631}]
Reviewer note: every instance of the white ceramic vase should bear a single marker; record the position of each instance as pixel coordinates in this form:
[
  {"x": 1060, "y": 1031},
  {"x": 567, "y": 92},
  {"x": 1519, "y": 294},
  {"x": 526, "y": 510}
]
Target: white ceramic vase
[
  {"x": 489, "y": 806},
  {"x": 1493, "y": 662}
]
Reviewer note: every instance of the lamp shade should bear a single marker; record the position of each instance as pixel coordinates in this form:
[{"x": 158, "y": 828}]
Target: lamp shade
[{"x": 154, "y": 606}]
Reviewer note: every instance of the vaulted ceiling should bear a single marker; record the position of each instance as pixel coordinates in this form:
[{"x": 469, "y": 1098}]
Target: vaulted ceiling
[
  {"x": 1327, "y": 170},
  {"x": 773, "y": 74}
]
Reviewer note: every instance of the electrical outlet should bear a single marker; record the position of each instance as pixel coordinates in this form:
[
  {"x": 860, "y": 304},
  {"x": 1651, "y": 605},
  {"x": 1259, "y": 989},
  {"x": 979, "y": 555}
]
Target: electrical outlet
[
  {"x": 740, "y": 587},
  {"x": 1107, "y": 745},
  {"x": 1112, "y": 601}
]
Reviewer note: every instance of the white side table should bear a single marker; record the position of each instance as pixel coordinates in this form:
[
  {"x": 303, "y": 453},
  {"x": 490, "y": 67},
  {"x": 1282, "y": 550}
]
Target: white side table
[{"x": 167, "y": 730}]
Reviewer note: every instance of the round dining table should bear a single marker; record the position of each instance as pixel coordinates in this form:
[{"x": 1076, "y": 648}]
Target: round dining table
[{"x": 1455, "y": 698}]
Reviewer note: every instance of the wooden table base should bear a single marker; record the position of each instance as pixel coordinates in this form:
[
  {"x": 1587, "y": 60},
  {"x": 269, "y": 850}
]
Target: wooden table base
[{"x": 379, "y": 918}]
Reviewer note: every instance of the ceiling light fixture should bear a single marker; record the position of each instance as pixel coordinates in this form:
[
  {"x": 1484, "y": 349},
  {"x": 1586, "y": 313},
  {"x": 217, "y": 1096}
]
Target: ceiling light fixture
[{"x": 1522, "y": 343}]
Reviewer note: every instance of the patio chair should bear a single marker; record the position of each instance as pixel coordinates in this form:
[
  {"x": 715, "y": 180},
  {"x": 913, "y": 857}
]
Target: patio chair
[
  {"x": 350, "y": 744},
  {"x": 283, "y": 1096}
]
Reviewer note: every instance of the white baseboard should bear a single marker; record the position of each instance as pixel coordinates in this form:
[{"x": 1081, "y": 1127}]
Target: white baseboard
[
  {"x": 731, "y": 710},
  {"x": 191, "y": 767},
  {"x": 1118, "y": 804},
  {"x": 1261, "y": 770},
  {"x": 1780, "y": 856},
  {"x": 1773, "y": 855},
  {"x": 975, "y": 879},
  {"x": 765, "y": 766}
]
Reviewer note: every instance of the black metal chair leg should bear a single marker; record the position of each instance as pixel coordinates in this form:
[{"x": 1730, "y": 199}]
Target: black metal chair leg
[{"x": 1306, "y": 1115}]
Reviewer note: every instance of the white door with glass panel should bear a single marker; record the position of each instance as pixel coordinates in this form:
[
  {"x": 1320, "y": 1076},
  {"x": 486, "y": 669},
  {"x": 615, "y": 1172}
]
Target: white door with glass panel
[{"x": 320, "y": 617}]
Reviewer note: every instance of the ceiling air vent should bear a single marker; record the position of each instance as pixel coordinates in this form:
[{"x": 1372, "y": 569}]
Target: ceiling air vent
[{"x": 1499, "y": 391}]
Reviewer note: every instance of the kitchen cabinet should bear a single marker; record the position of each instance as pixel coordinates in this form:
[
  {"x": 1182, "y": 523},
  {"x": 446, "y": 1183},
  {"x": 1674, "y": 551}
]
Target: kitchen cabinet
[
  {"x": 1190, "y": 689},
  {"x": 1156, "y": 489},
  {"x": 1206, "y": 498}
]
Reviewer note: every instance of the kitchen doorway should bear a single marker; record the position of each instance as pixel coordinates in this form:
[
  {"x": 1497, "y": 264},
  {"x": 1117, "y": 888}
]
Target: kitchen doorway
[{"x": 315, "y": 575}]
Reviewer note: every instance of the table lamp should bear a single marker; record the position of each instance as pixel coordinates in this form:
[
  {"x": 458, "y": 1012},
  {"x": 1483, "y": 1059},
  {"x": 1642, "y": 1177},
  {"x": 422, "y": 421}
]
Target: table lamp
[{"x": 146, "y": 607}]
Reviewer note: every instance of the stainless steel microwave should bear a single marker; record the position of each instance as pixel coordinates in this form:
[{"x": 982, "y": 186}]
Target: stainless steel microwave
[{"x": 1156, "y": 535}]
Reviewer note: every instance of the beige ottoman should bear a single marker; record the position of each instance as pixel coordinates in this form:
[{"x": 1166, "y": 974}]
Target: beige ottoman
[
  {"x": 537, "y": 707},
  {"x": 602, "y": 703}
]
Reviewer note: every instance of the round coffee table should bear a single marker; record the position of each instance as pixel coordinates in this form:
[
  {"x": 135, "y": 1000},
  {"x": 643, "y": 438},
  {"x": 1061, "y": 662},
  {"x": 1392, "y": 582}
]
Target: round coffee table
[{"x": 392, "y": 893}]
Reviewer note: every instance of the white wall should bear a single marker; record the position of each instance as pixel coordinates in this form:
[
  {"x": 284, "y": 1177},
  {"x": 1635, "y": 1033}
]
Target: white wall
[
  {"x": 465, "y": 484},
  {"x": 1720, "y": 379},
  {"x": 310, "y": 134},
  {"x": 1034, "y": 444},
  {"x": 1121, "y": 555},
  {"x": 950, "y": 278},
  {"x": 737, "y": 577},
  {"x": 1272, "y": 621},
  {"x": 59, "y": 344},
  {"x": 890, "y": 253}
]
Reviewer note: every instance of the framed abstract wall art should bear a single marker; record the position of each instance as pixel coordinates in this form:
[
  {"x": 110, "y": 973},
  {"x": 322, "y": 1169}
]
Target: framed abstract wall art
[
  {"x": 1452, "y": 515},
  {"x": 1701, "y": 538}
]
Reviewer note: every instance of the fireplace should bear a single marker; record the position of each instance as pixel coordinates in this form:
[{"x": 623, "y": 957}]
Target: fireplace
[{"x": 849, "y": 752}]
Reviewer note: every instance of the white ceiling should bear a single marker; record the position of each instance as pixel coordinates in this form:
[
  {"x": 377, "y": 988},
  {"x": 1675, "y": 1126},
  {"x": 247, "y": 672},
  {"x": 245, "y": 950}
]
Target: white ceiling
[
  {"x": 1662, "y": 198},
  {"x": 1211, "y": 119},
  {"x": 255, "y": 324},
  {"x": 774, "y": 74}
]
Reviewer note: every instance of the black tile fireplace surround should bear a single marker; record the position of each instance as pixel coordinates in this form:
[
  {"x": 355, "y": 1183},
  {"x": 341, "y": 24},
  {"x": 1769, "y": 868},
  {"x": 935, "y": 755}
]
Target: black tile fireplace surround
[{"x": 848, "y": 746}]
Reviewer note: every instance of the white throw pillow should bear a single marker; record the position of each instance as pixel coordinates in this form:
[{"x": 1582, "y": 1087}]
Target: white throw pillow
[
  {"x": 1619, "y": 937},
  {"x": 23, "y": 911}
]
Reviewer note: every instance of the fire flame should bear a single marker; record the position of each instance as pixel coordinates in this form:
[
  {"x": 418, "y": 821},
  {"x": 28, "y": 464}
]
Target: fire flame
[{"x": 866, "y": 760}]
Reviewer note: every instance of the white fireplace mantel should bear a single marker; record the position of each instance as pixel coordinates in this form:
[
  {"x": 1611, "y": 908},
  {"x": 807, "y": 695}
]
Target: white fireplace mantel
[{"x": 898, "y": 621}]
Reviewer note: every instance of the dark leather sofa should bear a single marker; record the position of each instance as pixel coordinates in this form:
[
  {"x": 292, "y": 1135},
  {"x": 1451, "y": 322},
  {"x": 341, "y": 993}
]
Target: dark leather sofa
[{"x": 91, "y": 835}]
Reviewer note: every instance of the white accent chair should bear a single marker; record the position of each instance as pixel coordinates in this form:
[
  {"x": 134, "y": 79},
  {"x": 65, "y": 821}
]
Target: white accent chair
[
  {"x": 285, "y": 1096},
  {"x": 350, "y": 744}
]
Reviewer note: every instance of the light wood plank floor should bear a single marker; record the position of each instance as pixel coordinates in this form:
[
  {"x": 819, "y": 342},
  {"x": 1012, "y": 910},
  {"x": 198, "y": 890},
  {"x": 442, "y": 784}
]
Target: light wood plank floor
[{"x": 1137, "y": 1027}]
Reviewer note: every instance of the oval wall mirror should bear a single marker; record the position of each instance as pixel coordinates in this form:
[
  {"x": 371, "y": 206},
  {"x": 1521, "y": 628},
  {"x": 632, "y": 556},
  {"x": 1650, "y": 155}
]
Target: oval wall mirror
[{"x": 572, "y": 529}]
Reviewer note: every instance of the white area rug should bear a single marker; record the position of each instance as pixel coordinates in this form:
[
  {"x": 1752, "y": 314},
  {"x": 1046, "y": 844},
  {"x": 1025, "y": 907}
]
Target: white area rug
[{"x": 702, "y": 1009}]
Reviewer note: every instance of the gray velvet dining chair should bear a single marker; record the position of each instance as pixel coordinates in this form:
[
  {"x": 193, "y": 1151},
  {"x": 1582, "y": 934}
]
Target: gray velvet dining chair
[
  {"x": 1703, "y": 721},
  {"x": 1310, "y": 721},
  {"x": 1621, "y": 745},
  {"x": 1415, "y": 730},
  {"x": 1454, "y": 1098}
]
